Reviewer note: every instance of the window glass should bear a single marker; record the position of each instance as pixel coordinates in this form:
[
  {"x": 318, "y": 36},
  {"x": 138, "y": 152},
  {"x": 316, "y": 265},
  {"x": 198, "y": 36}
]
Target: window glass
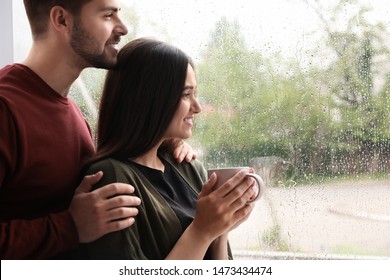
[{"x": 297, "y": 89}]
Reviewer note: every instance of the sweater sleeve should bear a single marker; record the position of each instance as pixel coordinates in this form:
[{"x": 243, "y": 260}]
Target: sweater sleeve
[
  {"x": 38, "y": 238},
  {"x": 8, "y": 142}
]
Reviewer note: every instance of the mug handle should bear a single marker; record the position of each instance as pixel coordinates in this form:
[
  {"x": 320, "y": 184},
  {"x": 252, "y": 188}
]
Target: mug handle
[{"x": 260, "y": 185}]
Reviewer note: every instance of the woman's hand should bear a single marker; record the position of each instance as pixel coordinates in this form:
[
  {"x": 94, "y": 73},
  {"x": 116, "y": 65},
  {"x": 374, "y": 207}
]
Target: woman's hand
[{"x": 219, "y": 211}]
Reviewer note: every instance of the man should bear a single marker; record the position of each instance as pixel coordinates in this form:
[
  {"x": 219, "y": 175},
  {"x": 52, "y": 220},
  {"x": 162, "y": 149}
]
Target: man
[{"x": 44, "y": 139}]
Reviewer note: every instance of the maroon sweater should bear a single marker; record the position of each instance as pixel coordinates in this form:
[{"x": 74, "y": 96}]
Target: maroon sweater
[{"x": 43, "y": 141}]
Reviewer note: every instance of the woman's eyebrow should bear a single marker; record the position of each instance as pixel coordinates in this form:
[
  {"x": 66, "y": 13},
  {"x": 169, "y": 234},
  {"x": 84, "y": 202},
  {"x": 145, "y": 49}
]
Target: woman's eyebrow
[{"x": 189, "y": 87}]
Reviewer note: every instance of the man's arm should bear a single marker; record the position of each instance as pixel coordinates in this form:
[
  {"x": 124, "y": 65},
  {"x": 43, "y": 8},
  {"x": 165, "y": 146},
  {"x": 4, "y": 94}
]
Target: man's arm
[
  {"x": 91, "y": 215},
  {"x": 38, "y": 238}
]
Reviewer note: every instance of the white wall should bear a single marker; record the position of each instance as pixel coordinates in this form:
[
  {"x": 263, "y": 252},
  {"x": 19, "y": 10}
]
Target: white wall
[{"x": 6, "y": 33}]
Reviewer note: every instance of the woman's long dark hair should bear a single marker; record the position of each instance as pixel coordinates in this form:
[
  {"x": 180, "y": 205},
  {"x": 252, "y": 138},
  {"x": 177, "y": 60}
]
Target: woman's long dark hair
[{"x": 140, "y": 97}]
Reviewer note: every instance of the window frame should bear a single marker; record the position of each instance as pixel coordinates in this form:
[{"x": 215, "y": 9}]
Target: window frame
[{"x": 7, "y": 46}]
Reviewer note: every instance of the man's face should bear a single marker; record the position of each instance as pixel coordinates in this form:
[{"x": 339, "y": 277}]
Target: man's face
[{"x": 96, "y": 33}]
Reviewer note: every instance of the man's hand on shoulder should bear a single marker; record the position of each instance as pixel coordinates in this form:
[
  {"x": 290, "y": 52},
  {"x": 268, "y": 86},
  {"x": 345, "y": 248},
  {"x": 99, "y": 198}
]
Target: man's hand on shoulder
[{"x": 104, "y": 210}]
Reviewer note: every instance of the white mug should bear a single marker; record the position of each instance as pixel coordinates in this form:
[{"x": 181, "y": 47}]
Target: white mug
[{"x": 224, "y": 174}]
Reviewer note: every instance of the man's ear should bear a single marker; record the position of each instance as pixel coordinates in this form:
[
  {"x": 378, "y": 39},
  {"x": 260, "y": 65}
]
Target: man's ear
[{"x": 61, "y": 19}]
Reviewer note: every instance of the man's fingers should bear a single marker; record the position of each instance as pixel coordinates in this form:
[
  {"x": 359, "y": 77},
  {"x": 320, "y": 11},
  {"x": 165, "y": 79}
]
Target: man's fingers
[
  {"x": 190, "y": 155},
  {"x": 178, "y": 149},
  {"x": 180, "y": 154},
  {"x": 114, "y": 189},
  {"x": 183, "y": 151},
  {"x": 103, "y": 210},
  {"x": 121, "y": 213},
  {"x": 119, "y": 225},
  {"x": 122, "y": 201},
  {"x": 88, "y": 181},
  {"x": 177, "y": 146}
]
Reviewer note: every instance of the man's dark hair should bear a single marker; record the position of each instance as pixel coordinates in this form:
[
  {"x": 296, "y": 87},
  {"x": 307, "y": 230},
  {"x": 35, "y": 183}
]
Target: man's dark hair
[{"x": 38, "y": 12}]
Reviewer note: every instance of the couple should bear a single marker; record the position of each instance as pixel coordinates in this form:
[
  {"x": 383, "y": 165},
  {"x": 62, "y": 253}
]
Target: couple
[{"x": 44, "y": 142}]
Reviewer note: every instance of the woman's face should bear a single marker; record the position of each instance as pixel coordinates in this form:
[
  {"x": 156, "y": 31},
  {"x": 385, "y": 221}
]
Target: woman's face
[{"x": 182, "y": 122}]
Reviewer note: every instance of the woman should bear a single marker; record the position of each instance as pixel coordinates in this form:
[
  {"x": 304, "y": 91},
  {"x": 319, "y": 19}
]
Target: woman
[{"x": 150, "y": 97}]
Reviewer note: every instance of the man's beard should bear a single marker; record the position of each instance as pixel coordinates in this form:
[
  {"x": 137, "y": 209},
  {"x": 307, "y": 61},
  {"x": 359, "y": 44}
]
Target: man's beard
[{"x": 88, "y": 49}]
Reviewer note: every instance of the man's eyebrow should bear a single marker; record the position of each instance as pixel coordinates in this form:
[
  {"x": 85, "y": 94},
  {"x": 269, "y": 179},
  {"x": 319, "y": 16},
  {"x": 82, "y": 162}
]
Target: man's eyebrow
[{"x": 112, "y": 9}]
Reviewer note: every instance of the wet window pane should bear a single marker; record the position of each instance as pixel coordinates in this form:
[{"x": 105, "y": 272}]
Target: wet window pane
[{"x": 300, "y": 91}]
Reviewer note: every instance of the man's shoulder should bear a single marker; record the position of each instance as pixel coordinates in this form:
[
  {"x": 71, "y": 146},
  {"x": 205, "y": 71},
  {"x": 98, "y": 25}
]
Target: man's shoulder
[
  {"x": 14, "y": 79},
  {"x": 14, "y": 72}
]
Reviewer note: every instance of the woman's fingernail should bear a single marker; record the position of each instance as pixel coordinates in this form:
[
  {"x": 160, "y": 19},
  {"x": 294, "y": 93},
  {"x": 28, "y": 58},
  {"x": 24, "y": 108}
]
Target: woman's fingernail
[
  {"x": 244, "y": 171},
  {"x": 253, "y": 189}
]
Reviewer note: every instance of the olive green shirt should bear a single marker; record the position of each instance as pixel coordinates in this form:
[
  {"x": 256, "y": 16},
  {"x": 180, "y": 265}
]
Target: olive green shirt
[{"x": 157, "y": 228}]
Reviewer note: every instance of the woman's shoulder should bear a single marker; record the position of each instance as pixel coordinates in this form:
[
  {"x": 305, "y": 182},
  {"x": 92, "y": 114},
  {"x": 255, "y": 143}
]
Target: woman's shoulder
[
  {"x": 114, "y": 170},
  {"x": 169, "y": 157},
  {"x": 106, "y": 164},
  {"x": 191, "y": 169}
]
